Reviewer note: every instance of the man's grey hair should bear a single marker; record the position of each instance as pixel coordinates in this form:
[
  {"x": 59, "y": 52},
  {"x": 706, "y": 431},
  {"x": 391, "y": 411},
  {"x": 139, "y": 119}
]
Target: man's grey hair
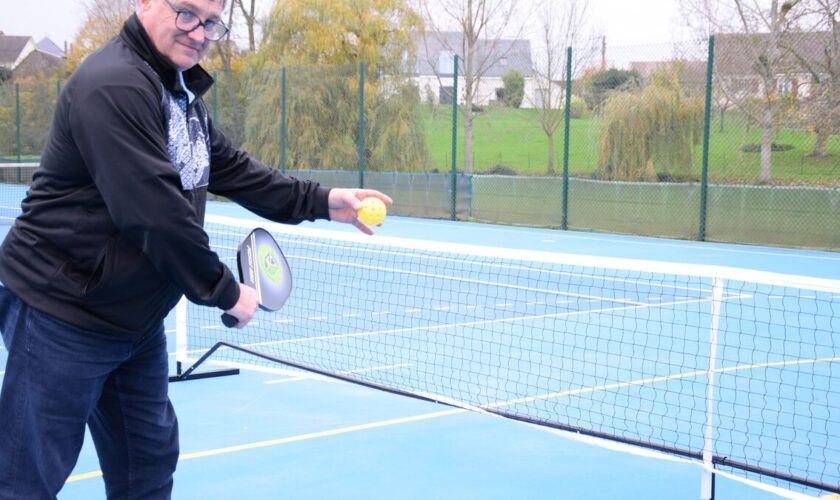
[{"x": 137, "y": 5}]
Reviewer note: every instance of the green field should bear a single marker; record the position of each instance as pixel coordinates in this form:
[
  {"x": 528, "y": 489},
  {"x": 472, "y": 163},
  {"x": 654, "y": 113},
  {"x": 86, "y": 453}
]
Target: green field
[{"x": 514, "y": 138}]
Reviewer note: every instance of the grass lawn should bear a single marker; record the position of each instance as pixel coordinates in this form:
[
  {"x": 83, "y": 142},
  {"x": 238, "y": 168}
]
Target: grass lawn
[{"x": 514, "y": 138}]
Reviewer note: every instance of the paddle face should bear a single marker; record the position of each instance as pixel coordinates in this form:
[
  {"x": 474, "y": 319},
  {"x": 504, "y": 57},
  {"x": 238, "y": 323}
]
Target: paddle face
[{"x": 263, "y": 267}]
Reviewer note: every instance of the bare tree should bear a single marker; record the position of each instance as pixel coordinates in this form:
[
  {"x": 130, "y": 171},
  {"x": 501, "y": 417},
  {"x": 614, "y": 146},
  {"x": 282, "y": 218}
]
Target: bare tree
[
  {"x": 249, "y": 15},
  {"x": 483, "y": 23},
  {"x": 749, "y": 47},
  {"x": 561, "y": 27},
  {"x": 815, "y": 50}
]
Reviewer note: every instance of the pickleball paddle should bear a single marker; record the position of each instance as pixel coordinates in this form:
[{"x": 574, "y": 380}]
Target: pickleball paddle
[{"x": 263, "y": 267}]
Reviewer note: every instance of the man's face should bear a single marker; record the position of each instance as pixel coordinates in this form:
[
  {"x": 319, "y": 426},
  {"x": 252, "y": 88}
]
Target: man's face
[{"x": 183, "y": 50}]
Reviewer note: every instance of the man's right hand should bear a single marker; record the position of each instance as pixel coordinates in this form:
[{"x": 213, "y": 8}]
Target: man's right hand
[{"x": 245, "y": 307}]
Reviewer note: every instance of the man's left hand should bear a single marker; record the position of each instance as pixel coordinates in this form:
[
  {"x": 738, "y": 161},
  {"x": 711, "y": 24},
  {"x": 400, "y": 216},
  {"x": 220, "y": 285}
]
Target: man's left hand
[{"x": 345, "y": 203}]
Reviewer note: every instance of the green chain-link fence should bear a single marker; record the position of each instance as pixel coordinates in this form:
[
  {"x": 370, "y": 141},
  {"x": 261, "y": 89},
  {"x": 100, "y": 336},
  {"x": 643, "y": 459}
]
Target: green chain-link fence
[{"x": 685, "y": 141}]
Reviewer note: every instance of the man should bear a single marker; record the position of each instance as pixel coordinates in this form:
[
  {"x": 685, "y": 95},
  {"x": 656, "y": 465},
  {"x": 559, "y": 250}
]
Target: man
[{"x": 109, "y": 239}]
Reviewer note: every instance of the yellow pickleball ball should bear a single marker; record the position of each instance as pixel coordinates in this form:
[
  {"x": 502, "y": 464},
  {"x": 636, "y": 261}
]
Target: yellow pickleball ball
[{"x": 373, "y": 211}]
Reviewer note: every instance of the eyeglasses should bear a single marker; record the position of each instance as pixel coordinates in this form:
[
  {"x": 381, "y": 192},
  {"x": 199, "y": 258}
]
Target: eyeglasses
[{"x": 187, "y": 22}]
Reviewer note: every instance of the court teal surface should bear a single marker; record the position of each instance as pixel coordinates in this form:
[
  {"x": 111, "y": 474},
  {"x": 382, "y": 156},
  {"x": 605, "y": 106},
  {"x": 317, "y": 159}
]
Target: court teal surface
[{"x": 273, "y": 435}]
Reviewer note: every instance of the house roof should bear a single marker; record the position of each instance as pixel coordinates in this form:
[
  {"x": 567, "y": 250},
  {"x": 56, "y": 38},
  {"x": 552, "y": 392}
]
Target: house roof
[
  {"x": 49, "y": 47},
  {"x": 11, "y": 47},
  {"x": 740, "y": 52},
  {"x": 39, "y": 63},
  {"x": 495, "y": 57}
]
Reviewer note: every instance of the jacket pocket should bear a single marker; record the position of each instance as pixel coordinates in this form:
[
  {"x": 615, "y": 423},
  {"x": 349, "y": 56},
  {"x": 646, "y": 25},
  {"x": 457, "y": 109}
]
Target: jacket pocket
[
  {"x": 118, "y": 269},
  {"x": 122, "y": 272},
  {"x": 102, "y": 267}
]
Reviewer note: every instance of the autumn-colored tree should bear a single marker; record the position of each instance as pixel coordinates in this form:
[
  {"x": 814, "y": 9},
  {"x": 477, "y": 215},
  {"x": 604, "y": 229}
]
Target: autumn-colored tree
[
  {"x": 36, "y": 97},
  {"x": 103, "y": 20},
  {"x": 7, "y": 119},
  {"x": 322, "y": 43}
]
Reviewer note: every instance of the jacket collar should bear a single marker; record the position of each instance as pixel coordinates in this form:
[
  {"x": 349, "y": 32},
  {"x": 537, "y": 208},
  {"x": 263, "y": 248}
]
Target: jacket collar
[{"x": 135, "y": 36}]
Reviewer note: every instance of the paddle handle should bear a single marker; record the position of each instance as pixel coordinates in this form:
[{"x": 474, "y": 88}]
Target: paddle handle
[{"x": 229, "y": 320}]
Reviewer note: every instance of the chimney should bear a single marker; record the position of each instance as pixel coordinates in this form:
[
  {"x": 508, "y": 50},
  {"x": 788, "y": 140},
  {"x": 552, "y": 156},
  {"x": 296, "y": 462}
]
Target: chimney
[{"x": 603, "y": 53}]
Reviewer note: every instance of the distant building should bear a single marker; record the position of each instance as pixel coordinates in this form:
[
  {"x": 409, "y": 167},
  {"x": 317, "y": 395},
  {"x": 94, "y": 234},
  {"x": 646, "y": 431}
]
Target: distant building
[
  {"x": 24, "y": 57},
  {"x": 738, "y": 54},
  {"x": 435, "y": 64},
  {"x": 47, "y": 46},
  {"x": 14, "y": 49}
]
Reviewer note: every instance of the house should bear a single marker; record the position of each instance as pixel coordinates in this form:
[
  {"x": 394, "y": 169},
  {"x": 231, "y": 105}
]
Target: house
[
  {"x": 435, "y": 65},
  {"x": 738, "y": 56},
  {"x": 14, "y": 49},
  {"x": 24, "y": 57}
]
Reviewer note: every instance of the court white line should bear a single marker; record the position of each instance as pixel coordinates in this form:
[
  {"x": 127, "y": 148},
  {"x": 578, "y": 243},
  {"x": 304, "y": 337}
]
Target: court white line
[
  {"x": 462, "y": 408},
  {"x": 713, "y": 246},
  {"x": 515, "y": 319},
  {"x": 346, "y": 372},
  {"x": 292, "y": 439}
]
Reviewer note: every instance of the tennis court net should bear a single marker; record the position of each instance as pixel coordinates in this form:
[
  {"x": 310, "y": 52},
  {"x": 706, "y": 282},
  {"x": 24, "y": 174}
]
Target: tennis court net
[
  {"x": 14, "y": 181},
  {"x": 732, "y": 367}
]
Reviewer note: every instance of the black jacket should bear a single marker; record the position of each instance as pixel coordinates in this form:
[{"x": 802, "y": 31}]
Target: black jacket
[{"x": 111, "y": 231}]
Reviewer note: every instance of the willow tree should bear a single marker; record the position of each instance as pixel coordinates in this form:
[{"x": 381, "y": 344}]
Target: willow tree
[
  {"x": 649, "y": 133},
  {"x": 321, "y": 44}
]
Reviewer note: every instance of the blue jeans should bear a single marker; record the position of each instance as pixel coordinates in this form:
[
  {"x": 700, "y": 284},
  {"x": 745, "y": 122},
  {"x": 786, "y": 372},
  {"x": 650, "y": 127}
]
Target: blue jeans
[{"x": 59, "y": 378}]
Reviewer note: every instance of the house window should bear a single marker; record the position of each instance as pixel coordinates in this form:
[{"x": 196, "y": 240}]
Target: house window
[
  {"x": 503, "y": 62},
  {"x": 784, "y": 86},
  {"x": 445, "y": 96},
  {"x": 446, "y": 62}
]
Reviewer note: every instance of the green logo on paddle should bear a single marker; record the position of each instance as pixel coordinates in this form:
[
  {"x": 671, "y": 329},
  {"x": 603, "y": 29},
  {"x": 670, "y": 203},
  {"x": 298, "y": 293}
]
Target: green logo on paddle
[{"x": 270, "y": 264}]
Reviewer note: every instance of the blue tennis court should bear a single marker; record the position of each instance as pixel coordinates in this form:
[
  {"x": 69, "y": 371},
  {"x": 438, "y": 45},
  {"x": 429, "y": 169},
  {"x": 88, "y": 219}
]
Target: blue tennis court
[{"x": 617, "y": 351}]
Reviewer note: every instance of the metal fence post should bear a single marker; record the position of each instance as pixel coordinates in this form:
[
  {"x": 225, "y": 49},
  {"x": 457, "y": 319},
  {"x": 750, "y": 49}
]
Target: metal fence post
[
  {"x": 707, "y": 113},
  {"x": 564, "y": 224},
  {"x": 454, "y": 191},
  {"x": 215, "y": 99},
  {"x": 362, "y": 125},
  {"x": 17, "y": 121},
  {"x": 283, "y": 119}
]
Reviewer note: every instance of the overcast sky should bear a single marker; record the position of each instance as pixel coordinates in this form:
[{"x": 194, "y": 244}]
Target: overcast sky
[{"x": 623, "y": 22}]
